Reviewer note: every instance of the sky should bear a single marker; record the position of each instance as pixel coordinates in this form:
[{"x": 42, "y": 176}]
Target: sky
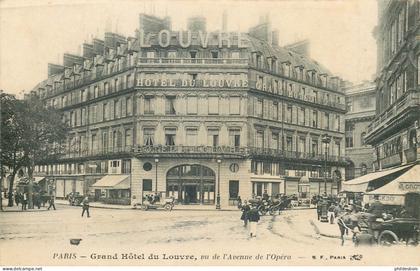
[{"x": 34, "y": 33}]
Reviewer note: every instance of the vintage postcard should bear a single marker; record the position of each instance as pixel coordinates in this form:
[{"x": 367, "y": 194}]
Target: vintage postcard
[{"x": 204, "y": 133}]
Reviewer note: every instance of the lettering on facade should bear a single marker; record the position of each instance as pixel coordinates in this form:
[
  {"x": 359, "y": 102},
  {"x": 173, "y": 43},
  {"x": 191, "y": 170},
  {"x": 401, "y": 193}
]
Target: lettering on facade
[
  {"x": 227, "y": 81},
  {"x": 184, "y": 39},
  {"x": 191, "y": 149},
  {"x": 411, "y": 187}
]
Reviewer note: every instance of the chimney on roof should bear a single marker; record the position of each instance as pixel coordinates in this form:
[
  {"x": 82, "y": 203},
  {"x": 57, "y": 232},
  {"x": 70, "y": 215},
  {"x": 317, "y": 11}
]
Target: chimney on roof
[
  {"x": 262, "y": 31},
  {"x": 196, "y": 24},
  {"x": 275, "y": 38},
  {"x": 300, "y": 47},
  {"x": 54, "y": 69},
  {"x": 153, "y": 24},
  {"x": 224, "y": 21}
]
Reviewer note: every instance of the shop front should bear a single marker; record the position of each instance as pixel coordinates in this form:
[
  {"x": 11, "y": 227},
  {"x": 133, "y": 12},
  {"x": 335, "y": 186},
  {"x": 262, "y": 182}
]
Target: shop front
[
  {"x": 112, "y": 189},
  {"x": 273, "y": 186}
]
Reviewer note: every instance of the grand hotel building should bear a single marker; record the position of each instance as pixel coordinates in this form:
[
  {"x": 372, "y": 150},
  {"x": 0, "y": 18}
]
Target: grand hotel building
[{"x": 195, "y": 115}]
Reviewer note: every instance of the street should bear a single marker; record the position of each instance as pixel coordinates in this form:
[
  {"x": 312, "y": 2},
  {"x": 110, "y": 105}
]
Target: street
[{"x": 110, "y": 233}]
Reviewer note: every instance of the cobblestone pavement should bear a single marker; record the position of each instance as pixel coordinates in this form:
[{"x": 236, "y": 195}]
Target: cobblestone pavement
[{"x": 43, "y": 237}]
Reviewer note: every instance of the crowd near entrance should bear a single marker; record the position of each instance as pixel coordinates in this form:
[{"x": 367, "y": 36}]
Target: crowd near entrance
[{"x": 191, "y": 184}]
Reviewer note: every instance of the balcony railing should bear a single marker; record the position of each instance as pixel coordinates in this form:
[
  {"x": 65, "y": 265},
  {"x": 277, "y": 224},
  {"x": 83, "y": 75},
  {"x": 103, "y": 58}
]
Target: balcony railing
[
  {"x": 202, "y": 150},
  {"x": 195, "y": 61},
  {"x": 412, "y": 98}
]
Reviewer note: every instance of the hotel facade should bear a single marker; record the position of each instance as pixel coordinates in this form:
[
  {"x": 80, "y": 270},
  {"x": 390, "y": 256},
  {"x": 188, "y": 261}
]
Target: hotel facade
[{"x": 205, "y": 117}]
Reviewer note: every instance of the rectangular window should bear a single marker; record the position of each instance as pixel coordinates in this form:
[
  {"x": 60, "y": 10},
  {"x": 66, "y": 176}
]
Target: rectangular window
[
  {"x": 275, "y": 110},
  {"x": 326, "y": 121},
  {"x": 147, "y": 185},
  {"x": 337, "y": 123},
  {"x": 314, "y": 147},
  {"x": 106, "y": 88},
  {"x": 191, "y": 137},
  {"x": 259, "y": 142},
  {"x": 235, "y": 55},
  {"x": 302, "y": 145},
  {"x": 275, "y": 144},
  {"x": 289, "y": 113},
  {"x": 213, "y": 105},
  {"x": 150, "y": 54},
  {"x": 117, "y": 109},
  {"x": 259, "y": 108},
  {"x": 233, "y": 189},
  {"x": 234, "y": 105},
  {"x": 105, "y": 142},
  {"x": 148, "y": 136},
  {"x": 314, "y": 119},
  {"x": 94, "y": 143},
  {"x": 170, "y": 105},
  {"x": 128, "y": 81},
  {"x": 214, "y": 54},
  {"x": 234, "y": 137},
  {"x": 128, "y": 141},
  {"x": 94, "y": 113},
  {"x": 349, "y": 130},
  {"x": 301, "y": 116},
  {"x": 148, "y": 105},
  {"x": 349, "y": 105},
  {"x": 213, "y": 137},
  {"x": 193, "y": 54},
  {"x": 129, "y": 106},
  {"x": 289, "y": 143},
  {"x": 170, "y": 137},
  {"x": 105, "y": 111},
  {"x": 192, "y": 105}
]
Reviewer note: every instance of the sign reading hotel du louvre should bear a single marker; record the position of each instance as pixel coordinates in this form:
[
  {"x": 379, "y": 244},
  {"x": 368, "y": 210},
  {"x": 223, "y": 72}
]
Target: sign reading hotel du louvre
[{"x": 161, "y": 80}]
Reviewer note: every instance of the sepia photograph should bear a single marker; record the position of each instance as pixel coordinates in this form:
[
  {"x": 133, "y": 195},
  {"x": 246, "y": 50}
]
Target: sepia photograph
[{"x": 210, "y": 133}]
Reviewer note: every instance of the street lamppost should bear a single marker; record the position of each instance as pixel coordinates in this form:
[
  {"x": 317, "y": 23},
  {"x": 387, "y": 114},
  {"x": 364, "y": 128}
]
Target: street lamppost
[
  {"x": 156, "y": 169},
  {"x": 218, "y": 184},
  {"x": 326, "y": 139}
]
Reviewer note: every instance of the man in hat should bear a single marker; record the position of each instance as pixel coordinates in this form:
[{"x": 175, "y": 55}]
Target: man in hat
[
  {"x": 253, "y": 217},
  {"x": 376, "y": 208}
]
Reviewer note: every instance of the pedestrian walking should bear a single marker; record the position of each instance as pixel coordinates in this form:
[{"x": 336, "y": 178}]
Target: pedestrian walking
[
  {"x": 253, "y": 217},
  {"x": 52, "y": 202},
  {"x": 17, "y": 198},
  {"x": 331, "y": 213},
  {"x": 24, "y": 201},
  {"x": 85, "y": 206},
  {"x": 245, "y": 210}
]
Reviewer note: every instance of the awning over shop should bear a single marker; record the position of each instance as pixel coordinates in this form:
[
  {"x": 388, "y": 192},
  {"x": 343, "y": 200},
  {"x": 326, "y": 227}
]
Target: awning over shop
[
  {"x": 38, "y": 179},
  {"x": 361, "y": 184},
  {"x": 113, "y": 182},
  {"x": 407, "y": 182}
]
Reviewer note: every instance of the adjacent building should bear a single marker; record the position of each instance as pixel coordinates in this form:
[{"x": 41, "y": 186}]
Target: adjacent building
[
  {"x": 202, "y": 116},
  {"x": 395, "y": 130},
  {"x": 360, "y": 103}
]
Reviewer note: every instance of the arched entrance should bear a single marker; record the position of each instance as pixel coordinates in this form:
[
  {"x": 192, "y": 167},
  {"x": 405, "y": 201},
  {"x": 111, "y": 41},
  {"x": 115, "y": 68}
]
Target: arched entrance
[{"x": 191, "y": 184}]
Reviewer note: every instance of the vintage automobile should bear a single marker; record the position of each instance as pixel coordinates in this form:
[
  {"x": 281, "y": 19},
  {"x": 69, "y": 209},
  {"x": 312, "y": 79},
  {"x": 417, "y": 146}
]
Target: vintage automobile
[
  {"x": 75, "y": 198},
  {"x": 156, "y": 201},
  {"x": 392, "y": 231}
]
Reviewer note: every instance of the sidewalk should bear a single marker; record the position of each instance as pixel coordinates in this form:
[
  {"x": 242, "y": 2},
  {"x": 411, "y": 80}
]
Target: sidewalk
[{"x": 15, "y": 208}]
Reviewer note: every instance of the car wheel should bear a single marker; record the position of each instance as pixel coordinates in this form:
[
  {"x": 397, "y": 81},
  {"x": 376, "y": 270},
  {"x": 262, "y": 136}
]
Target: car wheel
[
  {"x": 387, "y": 238},
  {"x": 167, "y": 207}
]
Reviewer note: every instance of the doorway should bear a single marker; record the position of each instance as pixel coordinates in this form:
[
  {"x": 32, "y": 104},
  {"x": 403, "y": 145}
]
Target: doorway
[{"x": 190, "y": 194}]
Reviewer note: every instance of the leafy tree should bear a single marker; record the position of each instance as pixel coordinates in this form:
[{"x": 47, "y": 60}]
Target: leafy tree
[{"x": 31, "y": 132}]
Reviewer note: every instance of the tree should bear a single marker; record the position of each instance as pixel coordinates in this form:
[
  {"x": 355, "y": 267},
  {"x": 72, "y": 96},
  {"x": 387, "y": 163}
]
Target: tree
[{"x": 31, "y": 132}]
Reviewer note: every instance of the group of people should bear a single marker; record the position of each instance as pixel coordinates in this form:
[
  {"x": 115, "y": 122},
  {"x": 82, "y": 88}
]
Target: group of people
[{"x": 38, "y": 200}]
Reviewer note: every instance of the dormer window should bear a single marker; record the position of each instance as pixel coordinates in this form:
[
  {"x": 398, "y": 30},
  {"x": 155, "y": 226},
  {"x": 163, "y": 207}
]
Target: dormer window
[{"x": 214, "y": 54}]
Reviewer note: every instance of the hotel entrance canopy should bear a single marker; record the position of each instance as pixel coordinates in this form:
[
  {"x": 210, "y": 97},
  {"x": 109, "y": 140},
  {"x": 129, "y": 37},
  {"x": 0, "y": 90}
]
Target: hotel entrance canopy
[
  {"x": 113, "y": 182},
  {"x": 360, "y": 184}
]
